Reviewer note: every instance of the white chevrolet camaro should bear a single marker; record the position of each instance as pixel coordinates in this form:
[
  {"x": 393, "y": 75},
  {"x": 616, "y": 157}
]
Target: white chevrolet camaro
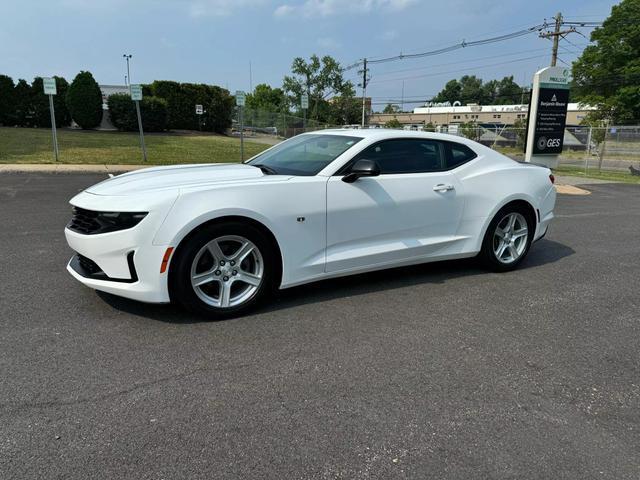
[{"x": 218, "y": 238}]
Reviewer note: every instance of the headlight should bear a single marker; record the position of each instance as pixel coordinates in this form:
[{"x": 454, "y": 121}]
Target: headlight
[{"x": 90, "y": 222}]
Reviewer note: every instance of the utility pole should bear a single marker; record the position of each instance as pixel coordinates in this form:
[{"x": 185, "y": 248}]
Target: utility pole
[
  {"x": 556, "y": 35},
  {"x": 365, "y": 80}
]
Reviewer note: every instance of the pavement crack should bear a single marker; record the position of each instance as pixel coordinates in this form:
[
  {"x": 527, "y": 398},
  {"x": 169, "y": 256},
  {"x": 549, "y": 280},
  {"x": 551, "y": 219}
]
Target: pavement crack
[{"x": 10, "y": 407}]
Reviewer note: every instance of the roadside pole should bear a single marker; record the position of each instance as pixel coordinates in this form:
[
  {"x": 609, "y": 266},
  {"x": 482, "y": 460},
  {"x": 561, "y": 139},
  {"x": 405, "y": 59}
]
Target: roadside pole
[
  {"x": 304, "y": 103},
  {"x": 49, "y": 85},
  {"x": 136, "y": 96},
  {"x": 240, "y": 100}
]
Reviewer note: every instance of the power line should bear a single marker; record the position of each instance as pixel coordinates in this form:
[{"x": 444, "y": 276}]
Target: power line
[
  {"x": 451, "y": 48},
  {"x": 426, "y": 75}
]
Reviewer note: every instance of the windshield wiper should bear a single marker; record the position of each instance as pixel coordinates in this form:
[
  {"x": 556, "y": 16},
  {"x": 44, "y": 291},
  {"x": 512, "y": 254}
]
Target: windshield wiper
[{"x": 265, "y": 169}]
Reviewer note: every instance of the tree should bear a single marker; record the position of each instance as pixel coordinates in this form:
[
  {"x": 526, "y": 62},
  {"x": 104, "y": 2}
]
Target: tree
[
  {"x": 607, "y": 74},
  {"x": 7, "y": 101},
  {"x": 393, "y": 123},
  {"x": 520, "y": 128},
  {"x": 84, "y": 100},
  {"x": 344, "y": 111},
  {"x": 508, "y": 92},
  {"x": 429, "y": 127},
  {"x": 470, "y": 130},
  {"x": 40, "y": 104},
  {"x": 319, "y": 78},
  {"x": 391, "y": 108},
  {"x": 450, "y": 93},
  {"x": 24, "y": 104},
  {"x": 471, "y": 89},
  {"x": 264, "y": 97},
  {"x": 219, "y": 109}
]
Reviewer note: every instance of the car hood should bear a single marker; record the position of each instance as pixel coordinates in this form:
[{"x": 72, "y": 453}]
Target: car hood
[{"x": 176, "y": 177}]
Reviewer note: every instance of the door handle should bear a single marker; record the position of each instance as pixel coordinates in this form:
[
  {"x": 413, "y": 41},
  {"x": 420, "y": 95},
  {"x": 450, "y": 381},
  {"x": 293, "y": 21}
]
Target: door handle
[{"x": 443, "y": 187}]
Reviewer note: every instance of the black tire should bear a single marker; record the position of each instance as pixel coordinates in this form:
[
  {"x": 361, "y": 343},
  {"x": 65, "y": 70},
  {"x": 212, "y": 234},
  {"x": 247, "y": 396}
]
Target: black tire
[
  {"x": 183, "y": 292},
  {"x": 487, "y": 254}
]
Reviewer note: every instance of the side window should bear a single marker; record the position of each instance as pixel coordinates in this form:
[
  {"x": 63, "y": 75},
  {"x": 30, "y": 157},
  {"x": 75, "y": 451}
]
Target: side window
[
  {"x": 457, "y": 154},
  {"x": 406, "y": 155}
]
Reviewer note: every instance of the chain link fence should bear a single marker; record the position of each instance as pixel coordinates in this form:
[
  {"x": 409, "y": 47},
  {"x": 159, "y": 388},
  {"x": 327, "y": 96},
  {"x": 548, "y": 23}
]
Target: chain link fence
[{"x": 261, "y": 124}]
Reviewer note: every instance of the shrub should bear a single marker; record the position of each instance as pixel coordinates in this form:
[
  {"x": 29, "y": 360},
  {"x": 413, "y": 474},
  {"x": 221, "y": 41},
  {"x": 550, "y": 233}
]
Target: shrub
[
  {"x": 40, "y": 104},
  {"x": 84, "y": 100},
  {"x": 122, "y": 111},
  {"x": 393, "y": 123},
  {"x": 7, "y": 101}
]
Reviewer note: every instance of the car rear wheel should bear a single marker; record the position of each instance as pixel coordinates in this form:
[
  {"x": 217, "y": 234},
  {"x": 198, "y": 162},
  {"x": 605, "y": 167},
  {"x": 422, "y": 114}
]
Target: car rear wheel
[
  {"x": 223, "y": 270},
  {"x": 507, "y": 240}
]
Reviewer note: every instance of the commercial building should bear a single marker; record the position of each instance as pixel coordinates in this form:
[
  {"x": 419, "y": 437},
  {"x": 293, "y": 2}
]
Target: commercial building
[{"x": 499, "y": 115}]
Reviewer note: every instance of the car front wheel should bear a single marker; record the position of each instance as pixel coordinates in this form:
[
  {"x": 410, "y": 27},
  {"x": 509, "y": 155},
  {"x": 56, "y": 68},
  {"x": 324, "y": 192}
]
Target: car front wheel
[{"x": 223, "y": 270}]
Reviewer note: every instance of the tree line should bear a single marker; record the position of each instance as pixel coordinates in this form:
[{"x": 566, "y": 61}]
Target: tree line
[{"x": 165, "y": 105}]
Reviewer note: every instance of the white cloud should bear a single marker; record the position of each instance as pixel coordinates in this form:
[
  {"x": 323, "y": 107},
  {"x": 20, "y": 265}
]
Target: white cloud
[
  {"x": 326, "y": 8},
  {"x": 220, "y": 8}
]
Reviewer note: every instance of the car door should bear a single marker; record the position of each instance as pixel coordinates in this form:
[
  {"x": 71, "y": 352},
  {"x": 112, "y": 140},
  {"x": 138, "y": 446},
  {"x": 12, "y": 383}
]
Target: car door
[{"x": 411, "y": 210}]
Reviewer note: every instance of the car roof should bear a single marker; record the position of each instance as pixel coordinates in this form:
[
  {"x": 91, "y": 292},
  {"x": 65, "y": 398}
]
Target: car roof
[{"x": 384, "y": 133}]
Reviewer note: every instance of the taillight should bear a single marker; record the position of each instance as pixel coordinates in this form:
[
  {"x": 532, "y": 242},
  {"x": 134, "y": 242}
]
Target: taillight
[{"x": 552, "y": 178}]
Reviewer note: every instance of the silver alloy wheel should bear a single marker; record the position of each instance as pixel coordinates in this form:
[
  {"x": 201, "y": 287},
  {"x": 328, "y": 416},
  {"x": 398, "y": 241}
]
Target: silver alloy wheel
[
  {"x": 227, "y": 271},
  {"x": 510, "y": 238}
]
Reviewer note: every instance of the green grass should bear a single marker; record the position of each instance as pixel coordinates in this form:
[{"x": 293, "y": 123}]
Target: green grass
[
  {"x": 34, "y": 145},
  {"x": 594, "y": 173}
]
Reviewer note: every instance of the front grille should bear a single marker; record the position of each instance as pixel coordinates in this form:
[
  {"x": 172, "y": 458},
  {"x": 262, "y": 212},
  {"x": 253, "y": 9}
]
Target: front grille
[
  {"x": 89, "y": 265},
  {"x": 84, "y": 221}
]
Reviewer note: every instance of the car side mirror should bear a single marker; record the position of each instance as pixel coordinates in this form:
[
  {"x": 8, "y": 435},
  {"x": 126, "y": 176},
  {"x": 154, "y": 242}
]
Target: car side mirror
[{"x": 362, "y": 168}]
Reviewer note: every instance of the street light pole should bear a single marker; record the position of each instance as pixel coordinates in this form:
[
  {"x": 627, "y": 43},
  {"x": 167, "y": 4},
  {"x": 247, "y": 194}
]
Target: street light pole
[{"x": 128, "y": 78}]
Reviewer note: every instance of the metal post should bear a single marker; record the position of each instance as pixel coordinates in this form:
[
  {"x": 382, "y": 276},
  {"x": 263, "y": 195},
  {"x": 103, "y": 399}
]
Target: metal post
[
  {"x": 304, "y": 120},
  {"x": 54, "y": 133},
  {"x": 144, "y": 148},
  {"x": 241, "y": 112},
  {"x": 586, "y": 157}
]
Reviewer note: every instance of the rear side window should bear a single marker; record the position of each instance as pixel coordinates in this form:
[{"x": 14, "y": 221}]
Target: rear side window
[
  {"x": 406, "y": 155},
  {"x": 457, "y": 154}
]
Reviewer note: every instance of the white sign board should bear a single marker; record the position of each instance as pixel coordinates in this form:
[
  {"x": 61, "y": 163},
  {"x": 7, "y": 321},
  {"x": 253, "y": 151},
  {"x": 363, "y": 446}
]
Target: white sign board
[
  {"x": 136, "y": 92},
  {"x": 240, "y": 98},
  {"x": 49, "y": 86},
  {"x": 199, "y": 110},
  {"x": 304, "y": 101}
]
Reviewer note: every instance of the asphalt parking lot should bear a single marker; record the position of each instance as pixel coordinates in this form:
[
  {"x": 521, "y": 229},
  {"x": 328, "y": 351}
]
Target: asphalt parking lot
[{"x": 435, "y": 371}]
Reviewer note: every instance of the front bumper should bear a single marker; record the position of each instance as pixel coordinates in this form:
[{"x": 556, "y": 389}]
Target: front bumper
[{"x": 127, "y": 262}]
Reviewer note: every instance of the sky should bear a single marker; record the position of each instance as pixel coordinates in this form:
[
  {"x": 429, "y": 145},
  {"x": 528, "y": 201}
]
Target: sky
[{"x": 221, "y": 41}]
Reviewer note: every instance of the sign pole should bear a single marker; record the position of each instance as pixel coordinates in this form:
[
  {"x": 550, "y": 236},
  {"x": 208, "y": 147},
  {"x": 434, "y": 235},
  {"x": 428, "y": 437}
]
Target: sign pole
[
  {"x": 144, "y": 148},
  {"x": 136, "y": 96},
  {"x": 53, "y": 129},
  {"x": 49, "y": 86},
  {"x": 240, "y": 101}
]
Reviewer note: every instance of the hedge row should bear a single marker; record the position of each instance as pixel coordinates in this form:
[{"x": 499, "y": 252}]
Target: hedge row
[
  {"x": 165, "y": 105},
  {"x": 122, "y": 111},
  {"x": 26, "y": 105},
  {"x": 182, "y": 99}
]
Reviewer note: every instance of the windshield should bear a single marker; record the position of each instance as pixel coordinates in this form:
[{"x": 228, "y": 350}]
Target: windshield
[{"x": 304, "y": 154}]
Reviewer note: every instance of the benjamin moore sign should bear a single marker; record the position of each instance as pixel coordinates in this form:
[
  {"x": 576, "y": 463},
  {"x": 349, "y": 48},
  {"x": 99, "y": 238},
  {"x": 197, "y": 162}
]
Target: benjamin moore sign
[
  {"x": 551, "y": 118},
  {"x": 548, "y": 115}
]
